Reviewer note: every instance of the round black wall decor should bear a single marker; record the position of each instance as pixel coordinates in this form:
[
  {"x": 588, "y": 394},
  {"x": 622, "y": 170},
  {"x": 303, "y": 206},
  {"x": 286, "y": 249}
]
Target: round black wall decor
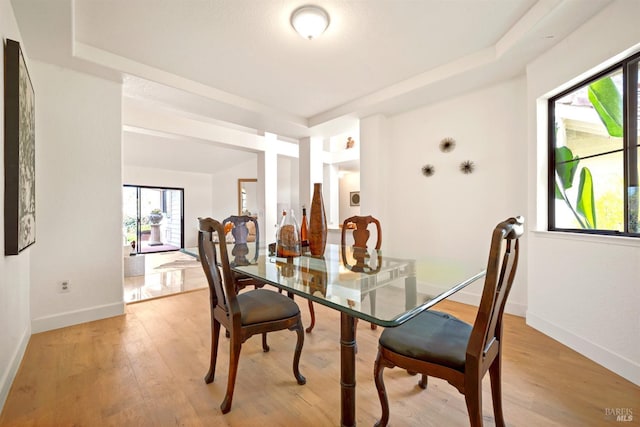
[
  {"x": 447, "y": 145},
  {"x": 428, "y": 170},
  {"x": 467, "y": 167}
]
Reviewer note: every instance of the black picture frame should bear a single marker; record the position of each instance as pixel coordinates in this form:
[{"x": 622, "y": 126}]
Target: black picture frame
[
  {"x": 19, "y": 152},
  {"x": 354, "y": 198}
]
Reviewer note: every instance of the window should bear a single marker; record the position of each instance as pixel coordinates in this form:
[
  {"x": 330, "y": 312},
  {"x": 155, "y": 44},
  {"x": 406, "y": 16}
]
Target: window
[
  {"x": 152, "y": 218},
  {"x": 593, "y": 154}
]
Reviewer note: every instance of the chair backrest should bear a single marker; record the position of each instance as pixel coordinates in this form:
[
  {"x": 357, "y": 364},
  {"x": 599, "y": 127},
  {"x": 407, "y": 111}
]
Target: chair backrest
[
  {"x": 240, "y": 231},
  {"x": 221, "y": 287},
  {"x": 501, "y": 269},
  {"x": 361, "y": 233}
]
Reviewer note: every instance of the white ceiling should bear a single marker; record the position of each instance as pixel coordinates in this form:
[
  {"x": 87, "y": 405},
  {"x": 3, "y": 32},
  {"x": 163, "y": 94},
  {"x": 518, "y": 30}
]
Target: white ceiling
[
  {"x": 249, "y": 49},
  {"x": 240, "y": 61},
  {"x": 182, "y": 154}
]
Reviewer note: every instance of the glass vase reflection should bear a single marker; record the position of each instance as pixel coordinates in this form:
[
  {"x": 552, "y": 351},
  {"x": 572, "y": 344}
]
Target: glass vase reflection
[
  {"x": 287, "y": 272},
  {"x": 316, "y": 277}
]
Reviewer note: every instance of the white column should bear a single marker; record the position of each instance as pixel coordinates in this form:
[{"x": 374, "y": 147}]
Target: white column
[
  {"x": 310, "y": 172},
  {"x": 268, "y": 188},
  {"x": 333, "y": 211},
  {"x": 373, "y": 168}
]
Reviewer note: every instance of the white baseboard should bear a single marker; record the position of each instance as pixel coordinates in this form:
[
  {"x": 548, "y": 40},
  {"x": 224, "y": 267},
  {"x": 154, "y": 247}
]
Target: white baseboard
[
  {"x": 471, "y": 298},
  {"x": 70, "y": 318},
  {"x": 614, "y": 362},
  {"x": 514, "y": 308},
  {"x": 16, "y": 358}
]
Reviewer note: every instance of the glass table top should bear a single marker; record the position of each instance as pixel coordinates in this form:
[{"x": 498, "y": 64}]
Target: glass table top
[{"x": 366, "y": 284}]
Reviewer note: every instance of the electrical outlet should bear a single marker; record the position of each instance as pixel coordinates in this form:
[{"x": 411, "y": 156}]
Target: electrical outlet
[{"x": 64, "y": 286}]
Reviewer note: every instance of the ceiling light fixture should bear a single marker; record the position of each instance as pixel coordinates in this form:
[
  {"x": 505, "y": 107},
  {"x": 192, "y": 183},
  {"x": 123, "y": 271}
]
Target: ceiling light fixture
[{"x": 310, "y": 21}]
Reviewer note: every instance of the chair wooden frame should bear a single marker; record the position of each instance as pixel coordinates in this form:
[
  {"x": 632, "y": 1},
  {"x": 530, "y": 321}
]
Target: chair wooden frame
[
  {"x": 360, "y": 236},
  {"x": 361, "y": 232},
  {"x": 242, "y": 280},
  {"x": 483, "y": 352},
  {"x": 239, "y": 221},
  {"x": 226, "y": 309}
]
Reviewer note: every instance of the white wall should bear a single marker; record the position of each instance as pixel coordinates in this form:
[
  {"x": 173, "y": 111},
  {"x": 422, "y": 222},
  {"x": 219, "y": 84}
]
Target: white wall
[
  {"x": 349, "y": 182},
  {"x": 198, "y": 193},
  {"x": 450, "y": 216},
  {"x": 78, "y": 198},
  {"x": 225, "y": 187},
  {"x": 288, "y": 185},
  {"x": 583, "y": 290},
  {"x": 15, "y": 320}
]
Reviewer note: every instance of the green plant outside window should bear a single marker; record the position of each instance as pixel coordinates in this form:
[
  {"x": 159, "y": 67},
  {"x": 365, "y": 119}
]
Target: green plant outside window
[{"x": 594, "y": 162}]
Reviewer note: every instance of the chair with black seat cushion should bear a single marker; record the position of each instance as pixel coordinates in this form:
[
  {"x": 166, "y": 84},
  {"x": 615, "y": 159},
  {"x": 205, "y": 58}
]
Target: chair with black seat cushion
[
  {"x": 437, "y": 344},
  {"x": 361, "y": 234},
  {"x": 256, "y": 311},
  {"x": 245, "y": 231}
]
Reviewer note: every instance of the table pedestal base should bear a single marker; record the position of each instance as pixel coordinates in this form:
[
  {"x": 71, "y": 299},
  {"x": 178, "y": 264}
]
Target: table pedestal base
[{"x": 347, "y": 370}]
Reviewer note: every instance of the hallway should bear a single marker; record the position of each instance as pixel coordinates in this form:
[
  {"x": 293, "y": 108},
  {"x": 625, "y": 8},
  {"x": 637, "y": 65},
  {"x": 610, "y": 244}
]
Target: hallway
[{"x": 166, "y": 273}]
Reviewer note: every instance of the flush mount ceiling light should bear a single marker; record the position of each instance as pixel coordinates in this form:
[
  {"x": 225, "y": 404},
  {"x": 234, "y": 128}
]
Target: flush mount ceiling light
[{"x": 310, "y": 21}]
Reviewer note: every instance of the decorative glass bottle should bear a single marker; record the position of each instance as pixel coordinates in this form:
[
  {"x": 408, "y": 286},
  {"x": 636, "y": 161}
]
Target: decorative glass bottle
[
  {"x": 288, "y": 240},
  {"x": 317, "y": 222},
  {"x": 304, "y": 237}
]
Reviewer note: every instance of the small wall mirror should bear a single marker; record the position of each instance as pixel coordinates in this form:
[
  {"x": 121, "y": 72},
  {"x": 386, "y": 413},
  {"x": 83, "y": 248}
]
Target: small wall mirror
[{"x": 248, "y": 196}]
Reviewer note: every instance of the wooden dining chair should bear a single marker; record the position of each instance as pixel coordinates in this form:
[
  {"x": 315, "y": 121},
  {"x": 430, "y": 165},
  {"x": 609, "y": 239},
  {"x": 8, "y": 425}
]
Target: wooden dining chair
[
  {"x": 252, "y": 312},
  {"x": 361, "y": 234},
  {"x": 245, "y": 231},
  {"x": 437, "y": 344}
]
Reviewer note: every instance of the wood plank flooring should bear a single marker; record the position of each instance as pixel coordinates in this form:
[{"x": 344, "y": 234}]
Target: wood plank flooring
[{"x": 146, "y": 368}]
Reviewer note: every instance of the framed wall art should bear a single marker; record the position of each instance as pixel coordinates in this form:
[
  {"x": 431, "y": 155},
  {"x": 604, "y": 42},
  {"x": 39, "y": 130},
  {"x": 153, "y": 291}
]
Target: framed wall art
[
  {"x": 19, "y": 152},
  {"x": 354, "y": 198}
]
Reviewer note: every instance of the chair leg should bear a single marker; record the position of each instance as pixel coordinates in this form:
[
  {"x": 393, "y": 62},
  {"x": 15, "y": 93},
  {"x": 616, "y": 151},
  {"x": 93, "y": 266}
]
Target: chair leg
[
  {"x": 215, "y": 335},
  {"x": 296, "y": 355},
  {"x": 423, "y": 381},
  {"x": 496, "y": 390},
  {"x": 313, "y": 316},
  {"x": 473, "y": 398},
  {"x": 378, "y": 370},
  {"x": 234, "y": 359},
  {"x": 265, "y": 346}
]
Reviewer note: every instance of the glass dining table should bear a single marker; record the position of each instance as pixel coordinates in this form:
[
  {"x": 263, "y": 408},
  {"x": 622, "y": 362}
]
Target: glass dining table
[{"x": 362, "y": 284}]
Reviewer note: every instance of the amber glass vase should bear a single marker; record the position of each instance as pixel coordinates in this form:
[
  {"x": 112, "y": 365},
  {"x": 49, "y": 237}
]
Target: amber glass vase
[{"x": 317, "y": 222}]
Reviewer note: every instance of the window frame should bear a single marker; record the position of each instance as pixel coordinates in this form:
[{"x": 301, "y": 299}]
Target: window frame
[{"x": 629, "y": 67}]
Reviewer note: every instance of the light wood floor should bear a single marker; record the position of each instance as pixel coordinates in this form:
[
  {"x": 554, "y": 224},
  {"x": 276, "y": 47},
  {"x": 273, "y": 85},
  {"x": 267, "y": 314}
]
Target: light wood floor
[{"x": 146, "y": 368}]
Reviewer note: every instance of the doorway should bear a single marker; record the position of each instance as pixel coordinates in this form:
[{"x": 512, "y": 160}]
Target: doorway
[{"x": 153, "y": 218}]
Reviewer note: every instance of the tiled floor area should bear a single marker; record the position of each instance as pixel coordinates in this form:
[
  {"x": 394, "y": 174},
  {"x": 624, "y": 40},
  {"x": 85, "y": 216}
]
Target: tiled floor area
[{"x": 166, "y": 273}]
